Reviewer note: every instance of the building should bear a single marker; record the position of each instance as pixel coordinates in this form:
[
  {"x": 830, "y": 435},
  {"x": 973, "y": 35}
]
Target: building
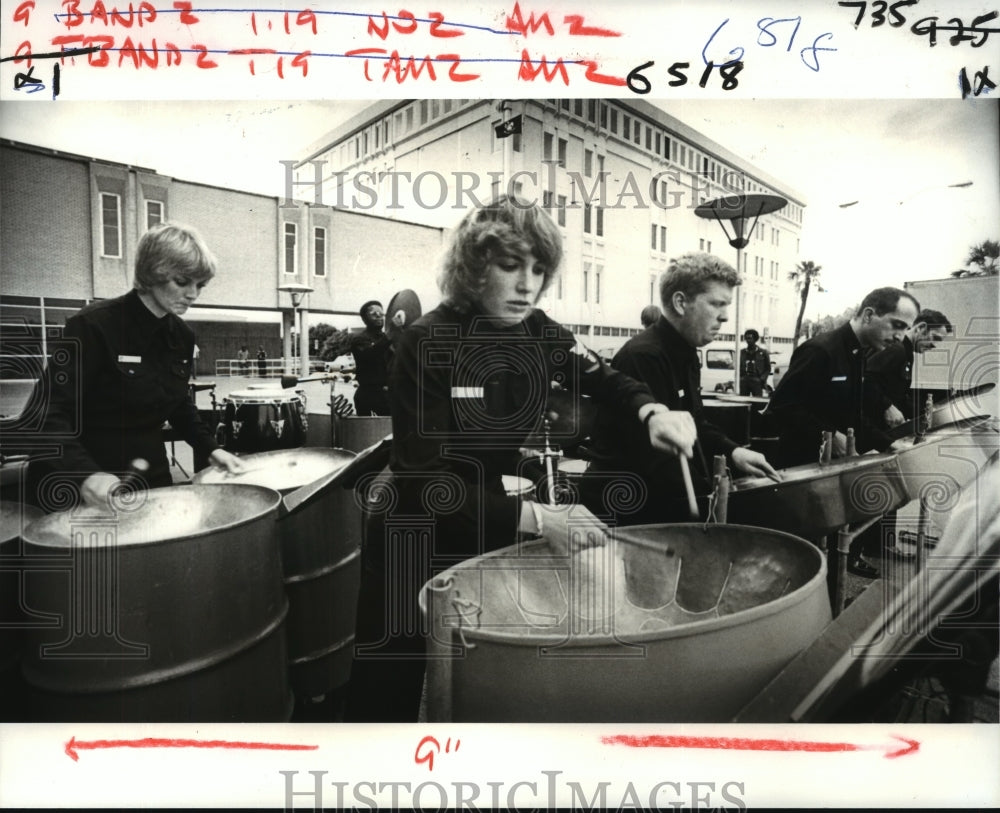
[
  {"x": 622, "y": 178},
  {"x": 69, "y": 226}
]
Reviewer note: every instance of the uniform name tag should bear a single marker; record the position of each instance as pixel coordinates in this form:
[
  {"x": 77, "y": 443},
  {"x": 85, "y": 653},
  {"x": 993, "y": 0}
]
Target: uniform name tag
[
  {"x": 466, "y": 392},
  {"x": 680, "y": 393},
  {"x": 839, "y": 378},
  {"x": 130, "y": 359}
]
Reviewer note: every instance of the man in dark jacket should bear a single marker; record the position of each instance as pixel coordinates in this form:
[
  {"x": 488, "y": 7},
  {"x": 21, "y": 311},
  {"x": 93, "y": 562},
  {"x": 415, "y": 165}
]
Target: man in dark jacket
[
  {"x": 755, "y": 365},
  {"x": 695, "y": 292},
  {"x": 823, "y": 389}
]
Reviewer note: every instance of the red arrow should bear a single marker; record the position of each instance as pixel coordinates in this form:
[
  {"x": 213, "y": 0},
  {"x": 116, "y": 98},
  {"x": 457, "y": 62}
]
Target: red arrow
[
  {"x": 892, "y": 750},
  {"x": 75, "y": 745}
]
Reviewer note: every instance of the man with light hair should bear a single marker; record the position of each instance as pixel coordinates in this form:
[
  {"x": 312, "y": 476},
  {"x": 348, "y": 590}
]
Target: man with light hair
[{"x": 695, "y": 294}]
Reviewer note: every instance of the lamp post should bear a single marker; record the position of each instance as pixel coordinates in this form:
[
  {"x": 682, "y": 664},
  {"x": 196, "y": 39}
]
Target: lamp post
[
  {"x": 738, "y": 209},
  {"x": 298, "y": 291}
]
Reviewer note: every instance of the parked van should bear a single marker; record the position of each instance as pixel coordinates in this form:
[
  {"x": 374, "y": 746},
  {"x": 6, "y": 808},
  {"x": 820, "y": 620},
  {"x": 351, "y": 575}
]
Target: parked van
[{"x": 718, "y": 367}]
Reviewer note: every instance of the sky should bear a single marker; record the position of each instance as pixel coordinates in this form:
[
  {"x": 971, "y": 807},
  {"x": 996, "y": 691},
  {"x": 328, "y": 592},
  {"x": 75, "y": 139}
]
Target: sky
[{"x": 894, "y": 159}]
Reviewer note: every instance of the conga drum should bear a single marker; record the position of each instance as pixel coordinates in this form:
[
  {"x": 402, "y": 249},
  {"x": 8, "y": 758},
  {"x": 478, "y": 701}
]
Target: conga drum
[
  {"x": 320, "y": 556},
  {"x": 169, "y": 609},
  {"x": 516, "y": 486},
  {"x": 263, "y": 420},
  {"x": 664, "y": 623}
]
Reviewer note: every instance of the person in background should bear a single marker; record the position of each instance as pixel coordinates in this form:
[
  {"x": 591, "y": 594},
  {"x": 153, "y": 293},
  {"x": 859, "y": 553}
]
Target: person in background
[
  {"x": 695, "y": 291},
  {"x": 261, "y": 361},
  {"x": 371, "y": 350},
  {"x": 130, "y": 375},
  {"x": 243, "y": 359},
  {"x": 650, "y": 316},
  {"x": 195, "y": 355},
  {"x": 824, "y": 389},
  {"x": 469, "y": 384},
  {"x": 755, "y": 365}
]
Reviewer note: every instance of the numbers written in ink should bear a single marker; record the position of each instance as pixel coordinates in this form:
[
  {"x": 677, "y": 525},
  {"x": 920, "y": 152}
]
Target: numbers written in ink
[{"x": 974, "y": 33}]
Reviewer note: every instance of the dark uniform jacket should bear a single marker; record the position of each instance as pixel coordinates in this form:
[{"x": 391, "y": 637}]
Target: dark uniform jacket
[
  {"x": 890, "y": 375},
  {"x": 466, "y": 394},
  {"x": 662, "y": 359},
  {"x": 123, "y": 374},
  {"x": 371, "y": 353},
  {"x": 755, "y": 364},
  {"x": 824, "y": 390}
]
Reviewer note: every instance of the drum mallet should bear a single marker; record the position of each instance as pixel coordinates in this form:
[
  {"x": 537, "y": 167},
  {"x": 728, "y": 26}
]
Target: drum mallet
[{"x": 689, "y": 488}]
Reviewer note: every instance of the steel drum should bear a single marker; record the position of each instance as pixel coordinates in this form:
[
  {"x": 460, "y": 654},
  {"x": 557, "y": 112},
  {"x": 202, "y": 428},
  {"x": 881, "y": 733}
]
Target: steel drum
[
  {"x": 968, "y": 404},
  {"x": 321, "y": 559},
  {"x": 262, "y": 420},
  {"x": 813, "y": 500},
  {"x": 731, "y": 415},
  {"x": 14, "y": 517},
  {"x": 666, "y": 623},
  {"x": 172, "y": 610},
  {"x": 356, "y": 433},
  {"x": 938, "y": 464}
]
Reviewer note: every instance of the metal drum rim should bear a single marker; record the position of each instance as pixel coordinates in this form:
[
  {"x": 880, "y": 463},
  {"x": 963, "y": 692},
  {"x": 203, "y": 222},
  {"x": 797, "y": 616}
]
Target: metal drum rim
[
  {"x": 262, "y": 396},
  {"x": 271, "y": 508},
  {"x": 862, "y": 462},
  {"x": 685, "y": 630}
]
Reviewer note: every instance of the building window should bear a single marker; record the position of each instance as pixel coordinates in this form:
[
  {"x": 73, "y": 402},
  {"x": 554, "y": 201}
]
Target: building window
[
  {"x": 515, "y": 142},
  {"x": 663, "y": 238},
  {"x": 709, "y": 249},
  {"x": 586, "y": 281},
  {"x": 409, "y": 119},
  {"x": 578, "y": 107},
  {"x": 547, "y": 146},
  {"x": 604, "y": 116},
  {"x": 701, "y": 244},
  {"x": 290, "y": 248},
  {"x": 592, "y": 110},
  {"x": 319, "y": 251},
  {"x": 666, "y": 147},
  {"x": 600, "y": 221},
  {"x": 626, "y": 125},
  {"x": 588, "y": 163},
  {"x": 561, "y": 211},
  {"x": 562, "y": 152},
  {"x": 652, "y": 237},
  {"x": 154, "y": 213},
  {"x": 586, "y": 218},
  {"x": 597, "y": 284},
  {"x": 658, "y": 139},
  {"x": 649, "y": 138},
  {"x": 423, "y": 111},
  {"x": 111, "y": 225},
  {"x": 446, "y": 105},
  {"x": 614, "y": 121}
]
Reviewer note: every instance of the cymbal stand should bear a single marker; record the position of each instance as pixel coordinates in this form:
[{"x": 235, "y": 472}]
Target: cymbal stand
[{"x": 548, "y": 455}]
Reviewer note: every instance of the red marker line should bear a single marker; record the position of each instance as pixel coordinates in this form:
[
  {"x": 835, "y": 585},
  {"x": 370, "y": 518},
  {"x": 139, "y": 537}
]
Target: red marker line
[
  {"x": 746, "y": 744},
  {"x": 75, "y": 745}
]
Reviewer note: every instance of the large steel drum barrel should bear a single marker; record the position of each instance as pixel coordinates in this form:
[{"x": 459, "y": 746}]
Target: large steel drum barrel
[
  {"x": 667, "y": 623},
  {"x": 170, "y": 608},
  {"x": 321, "y": 560},
  {"x": 939, "y": 463},
  {"x": 356, "y": 433},
  {"x": 14, "y": 517},
  {"x": 817, "y": 499}
]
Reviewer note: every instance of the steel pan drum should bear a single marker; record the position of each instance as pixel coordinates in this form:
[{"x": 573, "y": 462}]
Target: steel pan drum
[
  {"x": 667, "y": 623},
  {"x": 939, "y": 464},
  {"x": 356, "y": 433},
  {"x": 321, "y": 560},
  {"x": 817, "y": 499},
  {"x": 968, "y": 404},
  {"x": 14, "y": 517},
  {"x": 263, "y": 420},
  {"x": 171, "y": 608}
]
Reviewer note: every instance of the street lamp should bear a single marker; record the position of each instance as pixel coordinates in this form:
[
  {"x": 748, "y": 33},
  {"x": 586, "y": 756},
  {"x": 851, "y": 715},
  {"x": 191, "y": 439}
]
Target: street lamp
[
  {"x": 738, "y": 209},
  {"x": 298, "y": 291}
]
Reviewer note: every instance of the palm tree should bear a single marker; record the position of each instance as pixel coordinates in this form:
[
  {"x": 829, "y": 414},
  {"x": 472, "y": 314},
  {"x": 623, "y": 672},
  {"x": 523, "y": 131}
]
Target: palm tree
[
  {"x": 984, "y": 257},
  {"x": 804, "y": 276}
]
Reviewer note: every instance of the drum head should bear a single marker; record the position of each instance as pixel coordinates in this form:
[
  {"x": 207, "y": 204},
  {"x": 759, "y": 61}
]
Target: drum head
[{"x": 263, "y": 396}]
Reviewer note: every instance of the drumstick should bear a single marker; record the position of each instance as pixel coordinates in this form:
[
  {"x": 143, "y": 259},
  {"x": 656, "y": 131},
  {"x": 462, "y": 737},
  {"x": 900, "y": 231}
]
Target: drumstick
[{"x": 689, "y": 488}]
